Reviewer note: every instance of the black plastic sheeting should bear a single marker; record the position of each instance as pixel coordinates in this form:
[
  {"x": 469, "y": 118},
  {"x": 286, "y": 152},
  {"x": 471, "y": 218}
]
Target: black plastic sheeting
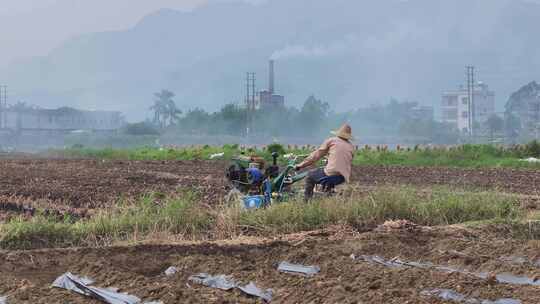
[
  {"x": 224, "y": 282},
  {"x": 451, "y": 295},
  {"x": 505, "y": 278},
  {"x": 82, "y": 286},
  {"x": 307, "y": 271}
]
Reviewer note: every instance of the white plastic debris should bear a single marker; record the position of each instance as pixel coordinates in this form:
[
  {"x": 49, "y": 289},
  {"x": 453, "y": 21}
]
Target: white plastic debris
[
  {"x": 451, "y": 295},
  {"x": 71, "y": 282},
  {"x": 514, "y": 260},
  {"x": 224, "y": 282},
  {"x": 375, "y": 259},
  {"x": 288, "y": 156},
  {"x": 502, "y": 301},
  {"x": 217, "y": 155},
  {"x": 298, "y": 269},
  {"x": 3, "y": 300},
  {"x": 447, "y": 295},
  {"x": 505, "y": 278},
  {"x": 531, "y": 160},
  {"x": 171, "y": 271},
  {"x": 516, "y": 280},
  {"x": 82, "y": 286},
  {"x": 252, "y": 290}
]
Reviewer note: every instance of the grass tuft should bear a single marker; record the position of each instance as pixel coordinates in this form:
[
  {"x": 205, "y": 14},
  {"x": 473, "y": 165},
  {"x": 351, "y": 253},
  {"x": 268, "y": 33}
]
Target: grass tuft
[
  {"x": 441, "y": 207},
  {"x": 148, "y": 216},
  {"x": 185, "y": 219}
]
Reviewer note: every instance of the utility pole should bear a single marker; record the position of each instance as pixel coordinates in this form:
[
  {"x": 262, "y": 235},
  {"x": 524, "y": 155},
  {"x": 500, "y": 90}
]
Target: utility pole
[
  {"x": 3, "y": 105},
  {"x": 253, "y": 106},
  {"x": 470, "y": 95},
  {"x": 250, "y": 100}
]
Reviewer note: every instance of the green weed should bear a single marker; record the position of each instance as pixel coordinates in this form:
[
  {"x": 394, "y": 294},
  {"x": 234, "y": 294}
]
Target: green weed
[
  {"x": 185, "y": 219},
  {"x": 173, "y": 217},
  {"x": 471, "y": 156},
  {"x": 441, "y": 207}
]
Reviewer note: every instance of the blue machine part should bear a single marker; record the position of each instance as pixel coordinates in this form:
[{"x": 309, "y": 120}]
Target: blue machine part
[
  {"x": 254, "y": 201},
  {"x": 255, "y": 176}
]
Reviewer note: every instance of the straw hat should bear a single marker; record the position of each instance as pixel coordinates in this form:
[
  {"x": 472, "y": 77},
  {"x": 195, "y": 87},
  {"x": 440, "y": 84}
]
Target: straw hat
[{"x": 344, "y": 132}]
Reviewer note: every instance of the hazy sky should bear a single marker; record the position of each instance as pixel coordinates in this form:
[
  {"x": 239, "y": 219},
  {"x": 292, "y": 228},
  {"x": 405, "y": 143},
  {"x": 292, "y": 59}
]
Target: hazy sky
[
  {"x": 364, "y": 51},
  {"x": 34, "y": 27}
]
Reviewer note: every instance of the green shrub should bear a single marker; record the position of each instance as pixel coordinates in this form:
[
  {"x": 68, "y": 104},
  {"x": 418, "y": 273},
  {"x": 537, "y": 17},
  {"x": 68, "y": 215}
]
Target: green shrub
[
  {"x": 141, "y": 128},
  {"x": 532, "y": 149},
  {"x": 276, "y": 148}
]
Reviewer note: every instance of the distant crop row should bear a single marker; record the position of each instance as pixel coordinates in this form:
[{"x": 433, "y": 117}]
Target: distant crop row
[{"x": 451, "y": 156}]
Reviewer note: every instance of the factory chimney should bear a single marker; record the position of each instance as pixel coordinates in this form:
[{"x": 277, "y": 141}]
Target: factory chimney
[{"x": 271, "y": 78}]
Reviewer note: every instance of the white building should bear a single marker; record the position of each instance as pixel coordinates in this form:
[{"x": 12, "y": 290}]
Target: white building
[
  {"x": 455, "y": 107},
  {"x": 62, "y": 120}
]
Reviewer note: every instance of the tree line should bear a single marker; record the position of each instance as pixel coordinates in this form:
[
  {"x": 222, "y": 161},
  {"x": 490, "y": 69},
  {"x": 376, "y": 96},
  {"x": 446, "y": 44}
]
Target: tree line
[{"x": 313, "y": 119}]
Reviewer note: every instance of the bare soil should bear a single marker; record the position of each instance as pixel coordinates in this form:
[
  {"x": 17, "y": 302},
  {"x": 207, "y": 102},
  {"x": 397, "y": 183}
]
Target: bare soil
[
  {"x": 80, "y": 187},
  {"x": 521, "y": 181},
  {"x": 25, "y": 277}
]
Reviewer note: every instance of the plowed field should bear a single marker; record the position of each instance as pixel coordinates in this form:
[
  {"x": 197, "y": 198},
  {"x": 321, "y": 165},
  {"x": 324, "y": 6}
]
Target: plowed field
[
  {"x": 26, "y": 276},
  {"x": 79, "y": 187}
]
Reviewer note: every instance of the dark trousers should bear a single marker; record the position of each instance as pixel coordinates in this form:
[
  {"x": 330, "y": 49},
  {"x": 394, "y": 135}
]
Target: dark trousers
[{"x": 313, "y": 178}]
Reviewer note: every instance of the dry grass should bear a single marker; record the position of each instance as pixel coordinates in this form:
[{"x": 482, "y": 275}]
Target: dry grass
[{"x": 182, "y": 218}]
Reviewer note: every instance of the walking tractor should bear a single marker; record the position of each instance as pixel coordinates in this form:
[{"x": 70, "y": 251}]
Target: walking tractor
[{"x": 262, "y": 186}]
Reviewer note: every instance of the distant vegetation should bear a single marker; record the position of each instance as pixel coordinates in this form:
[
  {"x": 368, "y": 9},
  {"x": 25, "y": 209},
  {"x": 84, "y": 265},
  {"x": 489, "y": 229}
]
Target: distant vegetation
[
  {"x": 454, "y": 156},
  {"x": 164, "y": 109},
  {"x": 141, "y": 128},
  {"x": 313, "y": 119},
  {"x": 458, "y": 156}
]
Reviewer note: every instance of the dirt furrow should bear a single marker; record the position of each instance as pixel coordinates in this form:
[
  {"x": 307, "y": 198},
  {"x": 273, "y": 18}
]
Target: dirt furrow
[
  {"x": 81, "y": 186},
  {"x": 25, "y": 276}
]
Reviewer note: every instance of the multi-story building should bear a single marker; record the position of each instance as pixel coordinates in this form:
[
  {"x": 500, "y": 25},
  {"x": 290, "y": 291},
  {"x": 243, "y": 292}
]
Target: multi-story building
[
  {"x": 422, "y": 113},
  {"x": 456, "y": 111},
  {"x": 62, "y": 120}
]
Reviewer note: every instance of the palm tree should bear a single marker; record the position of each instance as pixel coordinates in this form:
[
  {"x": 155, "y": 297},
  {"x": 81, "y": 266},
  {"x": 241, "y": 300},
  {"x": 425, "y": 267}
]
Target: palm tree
[
  {"x": 158, "y": 109},
  {"x": 173, "y": 113},
  {"x": 165, "y": 110}
]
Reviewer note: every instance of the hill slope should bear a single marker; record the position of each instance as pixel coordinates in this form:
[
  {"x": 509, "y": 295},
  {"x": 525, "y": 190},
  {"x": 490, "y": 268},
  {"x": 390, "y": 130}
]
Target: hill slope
[{"x": 347, "y": 52}]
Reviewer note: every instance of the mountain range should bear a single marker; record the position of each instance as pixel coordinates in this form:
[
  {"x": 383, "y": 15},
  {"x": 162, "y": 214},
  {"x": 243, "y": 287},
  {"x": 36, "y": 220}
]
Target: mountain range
[{"x": 349, "y": 53}]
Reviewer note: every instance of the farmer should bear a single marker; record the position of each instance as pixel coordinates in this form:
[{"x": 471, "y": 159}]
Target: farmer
[{"x": 340, "y": 154}]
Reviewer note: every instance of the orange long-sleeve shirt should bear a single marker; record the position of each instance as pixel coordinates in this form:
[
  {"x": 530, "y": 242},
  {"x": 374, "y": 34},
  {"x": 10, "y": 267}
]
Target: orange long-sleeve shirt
[{"x": 340, "y": 155}]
